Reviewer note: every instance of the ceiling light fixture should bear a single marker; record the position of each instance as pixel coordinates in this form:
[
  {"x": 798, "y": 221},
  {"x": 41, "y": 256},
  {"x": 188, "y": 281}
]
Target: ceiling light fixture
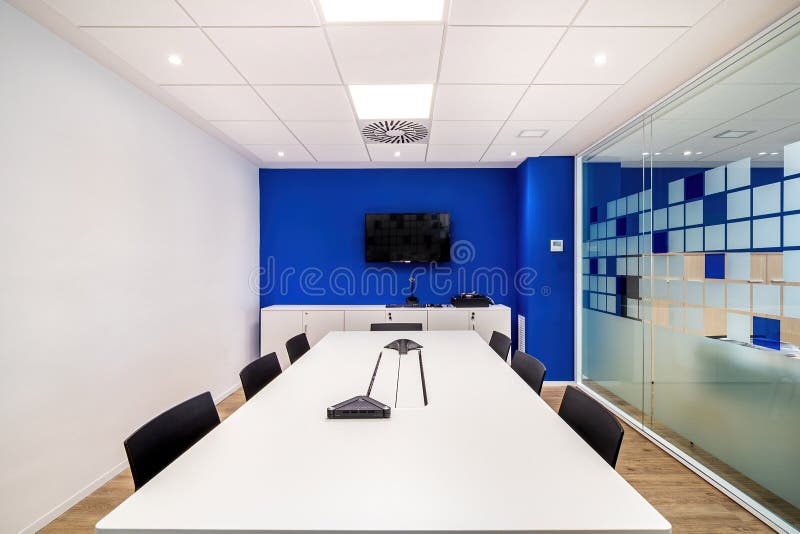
[
  {"x": 687, "y": 152},
  {"x": 382, "y": 10},
  {"x": 774, "y": 153},
  {"x": 281, "y": 153},
  {"x": 600, "y": 59},
  {"x": 513, "y": 153},
  {"x": 645, "y": 153},
  {"x": 175, "y": 59},
  {"x": 698, "y": 153},
  {"x": 533, "y": 133},
  {"x": 657, "y": 154},
  {"x": 410, "y": 101},
  {"x": 397, "y": 154},
  {"x": 762, "y": 153},
  {"x": 734, "y": 134}
]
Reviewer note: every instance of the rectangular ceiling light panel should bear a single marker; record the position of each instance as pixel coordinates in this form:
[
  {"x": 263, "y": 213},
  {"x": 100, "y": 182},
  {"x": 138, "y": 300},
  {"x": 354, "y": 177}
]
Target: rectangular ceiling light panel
[
  {"x": 409, "y": 101},
  {"x": 382, "y": 10}
]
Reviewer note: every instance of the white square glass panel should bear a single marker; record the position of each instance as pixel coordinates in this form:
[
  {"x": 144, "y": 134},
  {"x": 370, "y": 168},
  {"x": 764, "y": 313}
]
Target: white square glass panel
[
  {"x": 739, "y": 297},
  {"x": 659, "y": 265},
  {"x": 791, "y": 265},
  {"x": 675, "y": 241},
  {"x": 715, "y": 294},
  {"x": 738, "y": 173},
  {"x": 694, "y": 293},
  {"x": 715, "y": 181},
  {"x": 791, "y": 159},
  {"x": 737, "y": 266},
  {"x": 676, "y": 191},
  {"x": 738, "y": 235},
  {"x": 611, "y": 209},
  {"x": 767, "y": 199},
  {"x": 767, "y": 232},
  {"x": 791, "y": 301},
  {"x": 694, "y": 239},
  {"x": 739, "y": 205},
  {"x": 694, "y": 213},
  {"x": 739, "y": 327},
  {"x": 791, "y": 231},
  {"x": 660, "y": 219},
  {"x": 766, "y": 299},
  {"x": 791, "y": 195},
  {"x": 676, "y": 216},
  {"x": 675, "y": 266},
  {"x": 715, "y": 237},
  {"x": 676, "y": 290},
  {"x": 694, "y": 319}
]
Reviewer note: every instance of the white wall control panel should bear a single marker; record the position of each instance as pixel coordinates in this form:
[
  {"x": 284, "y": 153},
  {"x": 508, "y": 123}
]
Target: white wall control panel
[{"x": 556, "y": 245}]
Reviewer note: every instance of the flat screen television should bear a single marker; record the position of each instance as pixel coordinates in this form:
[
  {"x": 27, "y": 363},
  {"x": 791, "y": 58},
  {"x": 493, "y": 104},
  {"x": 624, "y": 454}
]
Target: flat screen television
[{"x": 407, "y": 237}]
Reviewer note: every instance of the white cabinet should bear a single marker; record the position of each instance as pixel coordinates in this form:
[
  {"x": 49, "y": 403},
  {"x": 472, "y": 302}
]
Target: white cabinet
[
  {"x": 448, "y": 319},
  {"x": 487, "y": 320},
  {"x": 361, "y": 320},
  {"x": 400, "y": 315},
  {"x": 317, "y": 323},
  {"x": 277, "y": 326},
  {"x": 281, "y": 322}
]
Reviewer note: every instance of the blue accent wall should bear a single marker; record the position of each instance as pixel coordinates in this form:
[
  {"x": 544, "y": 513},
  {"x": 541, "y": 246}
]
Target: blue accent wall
[
  {"x": 545, "y": 191},
  {"x": 502, "y": 220}
]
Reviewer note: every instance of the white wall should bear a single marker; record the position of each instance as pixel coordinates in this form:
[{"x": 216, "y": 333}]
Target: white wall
[{"x": 127, "y": 236}]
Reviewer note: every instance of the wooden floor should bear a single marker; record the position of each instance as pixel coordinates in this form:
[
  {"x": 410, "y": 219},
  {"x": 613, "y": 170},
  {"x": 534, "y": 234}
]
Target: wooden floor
[{"x": 685, "y": 499}]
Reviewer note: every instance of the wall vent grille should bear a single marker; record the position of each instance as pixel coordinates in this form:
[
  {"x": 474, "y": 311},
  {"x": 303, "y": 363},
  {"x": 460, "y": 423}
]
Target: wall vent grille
[{"x": 521, "y": 332}]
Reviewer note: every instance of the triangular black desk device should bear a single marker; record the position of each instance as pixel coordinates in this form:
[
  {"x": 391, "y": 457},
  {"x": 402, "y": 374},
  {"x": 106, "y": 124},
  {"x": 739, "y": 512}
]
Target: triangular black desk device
[
  {"x": 361, "y": 407},
  {"x": 402, "y": 346}
]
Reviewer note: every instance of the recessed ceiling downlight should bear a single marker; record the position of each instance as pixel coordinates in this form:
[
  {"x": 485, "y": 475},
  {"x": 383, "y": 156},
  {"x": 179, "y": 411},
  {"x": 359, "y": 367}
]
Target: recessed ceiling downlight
[
  {"x": 382, "y": 10},
  {"x": 175, "y": 59},
  {"x": 600, "y": 59}
]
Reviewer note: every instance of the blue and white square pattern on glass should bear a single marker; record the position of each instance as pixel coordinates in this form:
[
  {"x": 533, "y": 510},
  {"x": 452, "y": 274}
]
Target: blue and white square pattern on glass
[
  {"x": 632, "y": 268},
  {"x": 791, "y": 159},
  {"x": 621, "y": 266},
  {"x": 647, "y": 199},
  {"x": 767, "y": 199},
  {"x": 632, "y": 245},
  {"x": 694, "y": 239},
  {"x": 715, "y": 181},
  {"x": 738, "y": 173},
  {"x": 739, "y": 205},
  {"x": 766, "y": 299},
  {"x": 611, "y": 247},
  {"x": 791, "y": 265},
  {"x": 791, "y": 230},
  {"x": 676, "y": 191},
  {"x": 739, "y": 327},
  {"x": 645, "y": 244},
  {"x": 622, "y": 208},
  {"x": 738, "y": 235},
  {"x": 715, "y": 237},
  {"x": 739, "y": 297},
  {"x": 601, "y": 231},
  {"x": 644, "y": 222},
  {"x": 694, "y": 213},
  {"x": 601, "y": 266},
  {"x": 714, "y": 294},
  {"x": 660, "y": 219},
  {"x": 622, "y": 250},
  {"x": 767, "y": 233},
  {"x": 675, "y": 241},
  {"x": 611, "y": 228},
  {"x": 791, "y": 195},
  {"x": 676, "y": 216},
  {"x": 791, "y": 301}
]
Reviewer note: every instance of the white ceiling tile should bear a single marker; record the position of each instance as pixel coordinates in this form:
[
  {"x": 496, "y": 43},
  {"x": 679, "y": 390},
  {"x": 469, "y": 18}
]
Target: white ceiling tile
[
  {"x": 272, "y": 153},
  {"x": 252, "y": 12},
  {"x": 387, "y": 153},
  {"x": 122, "y": 12},
  {"x": 147, "y": 49},
  {"x": 785, "y": 107},
  {"x": 509, "y": 153},
  {"x": 496, "y": 54},
  {"x": 308, "y": 102},
  {"x": 278, "y": 55},
  {"x": 222, "y": 102},
  {"x": 476, "y": 102},
  {"x": 509, "y": 134},
  {"x": 627, "y": 50},
  {"x": 513, "y": 12},
  {"x": 725, "y": 101},
  {"x": 561, "y": 102},
  {"x": 770, "y": 68},
  {"x": 644, "y": 12},
  {"x": 256, "y": 132},
  {"x": 455, "y": 153},
  {"x": 334, "y": 153},
  {"x": 390, "y": 54},
  {"x": 326, "y": 132},
  {"x": 464, "y": 132}
]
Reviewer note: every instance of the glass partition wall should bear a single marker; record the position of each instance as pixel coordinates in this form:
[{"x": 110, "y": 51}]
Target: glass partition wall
[{"x": 690, "y": 319}]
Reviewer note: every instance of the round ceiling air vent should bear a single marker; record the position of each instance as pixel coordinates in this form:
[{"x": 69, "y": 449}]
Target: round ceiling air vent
[{"x": 395, "y": 131}]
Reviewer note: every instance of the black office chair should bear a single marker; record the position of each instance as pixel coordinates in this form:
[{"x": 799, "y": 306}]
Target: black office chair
[
  {"x": 159, "y": 442},
  {"x": 395, "y": 327},
  {"x": 297, "y": 346},
  {"x": 597, "y": 426},
  {"x": 529, "y": 369},
  {"x": 256, "y": 375},
  {"x": 500, "y": 343}
]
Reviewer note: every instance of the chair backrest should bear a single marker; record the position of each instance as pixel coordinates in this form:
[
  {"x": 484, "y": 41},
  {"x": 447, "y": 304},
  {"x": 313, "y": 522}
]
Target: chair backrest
[
  {"x": 297, "y": 346},
  {"x": 395, "y": 327},
  {"x": 530, "y": 369},
  {"x": 160, "y": 441},
  {"x": 500, "y": 343},
  {"x": 259, "y": 373},
  {"x": 597, "y": 426}
]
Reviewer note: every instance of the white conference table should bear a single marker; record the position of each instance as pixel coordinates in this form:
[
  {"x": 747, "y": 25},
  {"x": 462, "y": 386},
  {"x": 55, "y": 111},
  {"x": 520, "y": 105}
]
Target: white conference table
[{"x": 486, "y": 454}]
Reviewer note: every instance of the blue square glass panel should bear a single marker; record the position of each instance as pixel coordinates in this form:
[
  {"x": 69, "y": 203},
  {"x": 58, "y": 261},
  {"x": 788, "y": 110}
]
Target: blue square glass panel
[
  {"x": 693, "y": 186},
  {"x": 621, "y": 226},
  {"x": 593, "y": 214},
  {"x": 660, "y": 243},
  {"x": 715, "y": 209},
  {"x": 715, "y": 266},
  {"x": 766, "y": 332}
]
